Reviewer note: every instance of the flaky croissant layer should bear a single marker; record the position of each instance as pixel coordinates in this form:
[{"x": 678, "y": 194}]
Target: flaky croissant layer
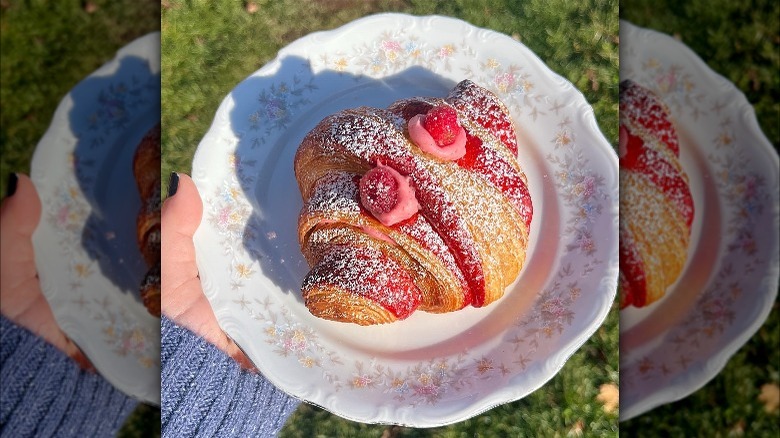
[
  {"x": 146, "y": 170},
  {"x": 656, "y": 206},
  {"x": 461, "y": 239}
]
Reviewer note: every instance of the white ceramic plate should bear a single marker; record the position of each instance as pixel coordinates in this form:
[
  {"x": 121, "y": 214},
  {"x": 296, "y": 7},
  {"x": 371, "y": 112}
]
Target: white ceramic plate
[
  {"x": 428, "y": 370},
  {"x": 88, "y": 260},
  {"x": 674, "y": 346}
]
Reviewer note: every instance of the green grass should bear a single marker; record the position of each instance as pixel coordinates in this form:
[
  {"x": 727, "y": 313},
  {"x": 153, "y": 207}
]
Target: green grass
[
  {"x": 47, "y": 48},
  {"x": 144, "y": 422},
  {"x": 740, "y": 41},
  {"x": 209, "y": 48}
]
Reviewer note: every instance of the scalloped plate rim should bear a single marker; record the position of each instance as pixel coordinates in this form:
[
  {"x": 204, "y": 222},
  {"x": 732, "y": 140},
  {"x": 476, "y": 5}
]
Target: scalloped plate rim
[
  {"x": 48, "y": 145},
  {"x": 582, "y": 109},
  {"x": 698, "y": 376}
]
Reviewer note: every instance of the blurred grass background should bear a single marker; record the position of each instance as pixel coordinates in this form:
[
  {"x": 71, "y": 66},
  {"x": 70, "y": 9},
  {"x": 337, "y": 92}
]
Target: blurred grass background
[
  {"x": 208, "y": 48},
  {"x": 741, "y": 41},
  {"x": 46, "y": 48}
]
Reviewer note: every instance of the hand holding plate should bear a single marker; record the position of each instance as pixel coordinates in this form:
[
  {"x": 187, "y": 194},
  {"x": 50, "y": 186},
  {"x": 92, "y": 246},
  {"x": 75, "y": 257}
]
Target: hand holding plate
[
  {"x": 21, "y": 299},
  {"x": 182, "y": 296}
]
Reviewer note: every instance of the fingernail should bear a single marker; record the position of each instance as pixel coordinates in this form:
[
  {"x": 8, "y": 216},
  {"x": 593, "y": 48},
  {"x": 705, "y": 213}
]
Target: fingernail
[
  {"x": 173, "y": 184},
  {"x": 10, "y": 189}
]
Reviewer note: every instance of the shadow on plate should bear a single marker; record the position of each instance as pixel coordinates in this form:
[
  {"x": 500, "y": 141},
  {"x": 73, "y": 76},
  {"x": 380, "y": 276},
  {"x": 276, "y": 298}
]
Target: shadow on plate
[
  {"x": 109, "y": 117},
  {"x": 277, "y": 118}
]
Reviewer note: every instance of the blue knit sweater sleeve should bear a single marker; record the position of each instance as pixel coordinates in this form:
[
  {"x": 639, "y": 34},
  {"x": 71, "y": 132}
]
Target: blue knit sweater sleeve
[
  {"x": 206, "y": 393},
  {"x": 45, "y": 393}
]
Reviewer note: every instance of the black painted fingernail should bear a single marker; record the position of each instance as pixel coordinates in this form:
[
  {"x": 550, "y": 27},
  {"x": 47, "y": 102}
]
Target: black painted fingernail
[
  {"x": 10, "y": 189},
  {"x": 173, "y": 184}
]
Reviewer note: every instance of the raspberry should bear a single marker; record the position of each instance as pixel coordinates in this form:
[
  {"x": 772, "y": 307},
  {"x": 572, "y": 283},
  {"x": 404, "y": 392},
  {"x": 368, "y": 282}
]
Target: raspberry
[
  {"x": 378, "y": 190},
  {"x": 442, "y": 123}
]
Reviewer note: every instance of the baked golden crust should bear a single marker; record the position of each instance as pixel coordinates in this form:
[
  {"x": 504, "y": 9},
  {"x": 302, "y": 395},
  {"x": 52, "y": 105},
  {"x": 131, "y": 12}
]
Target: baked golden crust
[
  {"x": 343, "y": 305},
  {"x": 150, "y": 290},
  {"x": 663, "y": 253},
  {"x": 468, "y": 241},
  {"x": 146, "y": 170},
  {"x": 656, "y": 206}
]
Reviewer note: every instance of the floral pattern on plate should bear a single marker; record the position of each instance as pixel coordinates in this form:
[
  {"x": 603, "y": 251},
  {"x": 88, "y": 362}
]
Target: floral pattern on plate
[
  {"x": 741, "y": 168},
  {"x": 86, "y": 251},
  {"x": 243, "y": 168}
]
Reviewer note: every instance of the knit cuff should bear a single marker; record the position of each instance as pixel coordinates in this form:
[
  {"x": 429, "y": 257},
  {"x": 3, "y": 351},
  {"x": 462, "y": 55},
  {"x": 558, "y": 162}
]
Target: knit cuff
[
  {"x": 45, "y": 392},
  {"x": 206, "y": 393}
]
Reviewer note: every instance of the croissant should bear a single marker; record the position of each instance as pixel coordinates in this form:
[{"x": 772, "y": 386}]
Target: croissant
[
  {"x": 656, "y": 206},
  {"x": 146, "y": 170},
  {"x": 421, "y": 205}
]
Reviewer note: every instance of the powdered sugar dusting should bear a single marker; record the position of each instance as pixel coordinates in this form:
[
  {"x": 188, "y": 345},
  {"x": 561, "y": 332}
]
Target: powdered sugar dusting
[
  {"x": 655, "y": 200},
  {"x": 641, "y": 106},
  {"x": 486, "y": 154},
  {"x": 368, "y": 272},
  {"x": 474, "y": 216},
  {"x": 486, "y": 109},
  {"x": 436, "y": 205},
  {"x": 335, "y": 192},
  {"x": 363, "y": 132},
  {"x": 423, "y": 233},
  {"x": 374, "y": 135}
]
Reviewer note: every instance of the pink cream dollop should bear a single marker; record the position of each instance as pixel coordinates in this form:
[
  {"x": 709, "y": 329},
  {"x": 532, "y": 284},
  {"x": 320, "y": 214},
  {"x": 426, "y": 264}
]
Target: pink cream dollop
[
  {"x": 406, "y": 205},
  {"x": 424, "y": 141}
]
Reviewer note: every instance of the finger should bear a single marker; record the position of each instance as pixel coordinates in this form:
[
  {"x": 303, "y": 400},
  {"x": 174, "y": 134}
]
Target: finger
[
  {"x": 23, "y": 208},
  {"x": 180, "y": 216},
  {"x": 182, "y": 297},
  {"x": 19, "y": 216}
]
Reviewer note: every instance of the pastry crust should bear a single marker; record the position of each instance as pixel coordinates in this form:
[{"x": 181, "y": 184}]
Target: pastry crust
[
  {"x": 656, "y": 206},
  {"x": 146, "y": 170},
  {"x": 468, "y": 240}
]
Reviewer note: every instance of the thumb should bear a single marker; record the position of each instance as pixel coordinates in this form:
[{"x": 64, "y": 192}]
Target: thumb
[
  {"x": 182, "y": 297},
  {"x": 180, "y": 217},
  {"x": 19, "y": 216}
]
